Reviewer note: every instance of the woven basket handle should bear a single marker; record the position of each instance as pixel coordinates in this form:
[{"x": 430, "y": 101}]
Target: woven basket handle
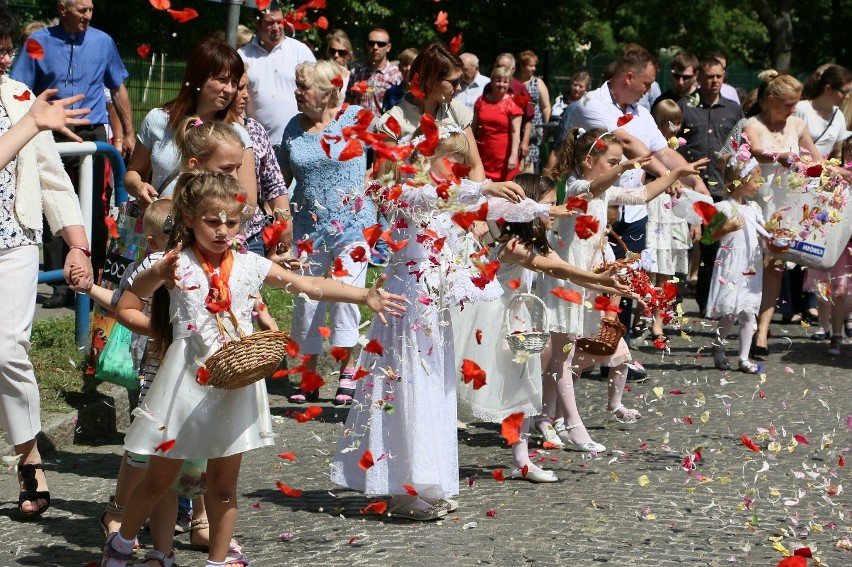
[
  {"x": 522, "y": 297},
  {"x": 224, "y": 332}
]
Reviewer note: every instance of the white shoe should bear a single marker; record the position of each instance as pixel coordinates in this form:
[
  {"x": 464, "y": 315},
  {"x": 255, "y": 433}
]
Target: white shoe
[
  {"x": 588, "y": 447},
  {"x": 533, "y": 475},
  {"x": 629, "y": 417},
  {"x": 549, "y": 433}
]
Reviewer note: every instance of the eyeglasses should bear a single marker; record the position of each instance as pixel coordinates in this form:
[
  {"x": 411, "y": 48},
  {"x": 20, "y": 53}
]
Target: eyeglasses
[
  {"x": 7, "y": 53},
  {"x": 338, "y": 52},
  {"x": 844, "y": 92},
  {"x": 371, "y": 43},
  {"x": 681, "y": 76},
  {"x": 455, "y": 82}
]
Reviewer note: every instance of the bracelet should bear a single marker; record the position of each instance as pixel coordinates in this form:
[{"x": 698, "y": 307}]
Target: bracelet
[
  {"x": 118, "y": 139},
  {"x": 82, "y": 249},
  {"x": 282, "y": 214}
]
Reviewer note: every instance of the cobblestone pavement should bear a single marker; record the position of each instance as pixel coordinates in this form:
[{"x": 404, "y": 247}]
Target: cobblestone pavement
[{"x": 634, "y": 505}]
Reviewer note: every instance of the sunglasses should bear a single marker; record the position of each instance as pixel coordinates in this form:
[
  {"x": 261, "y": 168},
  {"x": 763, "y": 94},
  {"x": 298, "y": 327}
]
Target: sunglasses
[
  {"x": 455, "y": 82},
  {"x": 338, "y": 52},
  {"x": 7, "y": 53},
  {"x": 371, "y": 43},
  {"x": 681, "y": 76}
]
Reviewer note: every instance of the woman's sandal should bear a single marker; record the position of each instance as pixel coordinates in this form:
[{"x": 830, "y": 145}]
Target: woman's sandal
[
  {"x": 161, "y": 558},
  {"x": 345, "y": 391},
  {"x": 305, "y": 397},
  {"x": 196, "y": 526},
  {"x": 31, "y": 493}
]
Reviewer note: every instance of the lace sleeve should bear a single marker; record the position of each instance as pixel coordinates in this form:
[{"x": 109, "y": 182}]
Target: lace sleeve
[
  {"x": 469, "y": 192},
  {"x": 625, "y": 196},
  {"x": 524, "y": 211}
]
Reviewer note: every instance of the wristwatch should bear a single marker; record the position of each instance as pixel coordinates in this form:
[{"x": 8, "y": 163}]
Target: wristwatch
[{"x": 82, "y": 249}]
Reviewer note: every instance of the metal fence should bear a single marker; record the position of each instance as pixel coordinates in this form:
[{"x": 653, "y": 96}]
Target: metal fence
[{"x": 153, "y": 81}]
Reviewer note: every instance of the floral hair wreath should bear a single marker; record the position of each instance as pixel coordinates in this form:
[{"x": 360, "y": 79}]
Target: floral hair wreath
[{"x": 445, "y": 130}]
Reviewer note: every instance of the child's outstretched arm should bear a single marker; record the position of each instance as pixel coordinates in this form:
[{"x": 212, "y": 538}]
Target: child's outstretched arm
[
  {"x": 552, "y": 265},
  {"x": 656, "y": 188},
  {"x": 376, "y": 298},
  {"x": 129, "y": 313},
  {"x": 164, "y": 271},
  {"x": 605, "y": 181},
  {"x": 99, "y": 295}
]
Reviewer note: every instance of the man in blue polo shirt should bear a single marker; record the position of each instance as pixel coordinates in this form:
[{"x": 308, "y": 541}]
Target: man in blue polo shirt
[{"x": 80, "y": 59}]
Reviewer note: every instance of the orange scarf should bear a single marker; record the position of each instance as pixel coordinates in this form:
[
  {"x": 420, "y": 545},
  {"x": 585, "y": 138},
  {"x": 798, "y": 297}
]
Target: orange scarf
[{"x": 219, "y": 297}]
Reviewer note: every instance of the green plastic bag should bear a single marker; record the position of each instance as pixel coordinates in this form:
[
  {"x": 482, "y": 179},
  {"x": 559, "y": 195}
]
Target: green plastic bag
[{"x": 115, "y": 364}]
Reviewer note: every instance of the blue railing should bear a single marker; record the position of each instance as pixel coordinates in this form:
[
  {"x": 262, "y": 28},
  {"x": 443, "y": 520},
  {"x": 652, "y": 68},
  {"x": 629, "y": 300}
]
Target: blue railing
[{"x": 83, "y": 304}]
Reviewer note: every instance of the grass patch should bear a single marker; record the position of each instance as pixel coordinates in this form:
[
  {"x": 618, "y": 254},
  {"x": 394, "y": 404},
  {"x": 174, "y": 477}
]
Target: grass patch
[
  {"x": 59, "y": 364},
  {"x": 57, "y": 361}
]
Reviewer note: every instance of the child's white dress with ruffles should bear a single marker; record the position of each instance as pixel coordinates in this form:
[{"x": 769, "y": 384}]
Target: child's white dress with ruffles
[{"x": 204, "y": 422}]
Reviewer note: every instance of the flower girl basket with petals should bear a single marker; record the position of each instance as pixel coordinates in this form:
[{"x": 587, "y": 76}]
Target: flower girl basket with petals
[
  {"x": 527, "y": 340},
  {"x": 244, "y": 359}
]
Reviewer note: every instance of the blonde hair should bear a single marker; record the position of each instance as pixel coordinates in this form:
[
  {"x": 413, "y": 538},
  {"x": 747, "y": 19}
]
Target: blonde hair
[
  {"x": 244, "y": 35},
  {"x": 500, "y": 72},
  {"x": 666, "y": 111},
  {"x": 336, "y": 36},
  {"x": 198, "y": 139},
  {"x": 455, "y": 145},
  {"x": 320, "y": 75},
  {"x": 154, "y": 220},
  {"x": 779, "y": 85}
]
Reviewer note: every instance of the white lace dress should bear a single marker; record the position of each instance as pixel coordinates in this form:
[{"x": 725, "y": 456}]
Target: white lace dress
[
  {"x": 571, "y": 318},
  {"x": 512, "y": 384},
  {"x": 737, "y": 283},
  {"x": 404, "y": 411},
  {"x": 666, "y": 238},
  {"x": 204, "y": 422}
]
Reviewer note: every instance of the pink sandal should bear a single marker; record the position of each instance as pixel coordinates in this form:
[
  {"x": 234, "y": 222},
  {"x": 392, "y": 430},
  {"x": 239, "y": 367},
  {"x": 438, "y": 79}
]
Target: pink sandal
[{"x": 345, "y": 391}]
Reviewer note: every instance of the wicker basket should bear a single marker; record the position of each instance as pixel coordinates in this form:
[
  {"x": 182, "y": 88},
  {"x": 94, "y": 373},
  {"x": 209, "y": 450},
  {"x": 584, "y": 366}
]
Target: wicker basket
[
  {"x": 782, "y": 239},
  {"x": 605, "y": 343},
  {"x": 245, "y": 360},
  {"x": 623, "y": 265},
  {"x": 532, "y": 341}
]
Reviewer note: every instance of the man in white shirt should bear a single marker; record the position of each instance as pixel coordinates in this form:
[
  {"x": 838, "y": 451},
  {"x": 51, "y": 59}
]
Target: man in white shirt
[
  {"x": 614, "y": 107},
  {"x": 473, "y": 82},
  {"x": 271, "y": 58}
]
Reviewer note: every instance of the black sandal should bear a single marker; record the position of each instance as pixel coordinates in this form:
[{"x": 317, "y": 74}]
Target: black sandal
[{"x": 30, "y": 493}]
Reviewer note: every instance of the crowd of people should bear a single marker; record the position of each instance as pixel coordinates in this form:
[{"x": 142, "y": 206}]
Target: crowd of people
[{"x": 479, "y": 199}]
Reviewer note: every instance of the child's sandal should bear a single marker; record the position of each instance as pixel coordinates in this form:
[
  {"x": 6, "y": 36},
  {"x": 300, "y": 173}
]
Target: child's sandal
[
  {"x": 304, "y": 397},
  {"x": 161, "y": 558},
  {"x": 236, "y": 557},
  {"x": 112, "y": 557}
]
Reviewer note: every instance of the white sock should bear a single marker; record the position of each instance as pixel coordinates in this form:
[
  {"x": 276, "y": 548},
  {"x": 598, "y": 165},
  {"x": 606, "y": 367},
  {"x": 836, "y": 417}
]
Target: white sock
[
  {"x": 214, "y": 563},
  {"x": 748, "y": 326},
  {"x": 122, "y": 545}
]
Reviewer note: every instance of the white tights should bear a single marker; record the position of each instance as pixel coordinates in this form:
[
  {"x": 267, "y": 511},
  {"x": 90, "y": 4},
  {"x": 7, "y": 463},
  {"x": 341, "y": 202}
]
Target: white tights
[{"x": 748, "y": 326}]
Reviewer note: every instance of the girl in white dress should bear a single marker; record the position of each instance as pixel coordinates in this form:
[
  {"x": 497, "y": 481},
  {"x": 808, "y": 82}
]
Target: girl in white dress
[
  {"x": 404, "y": 411},
  {"x": 594, "y": 157},
  {"x": 513, "y": 382},
  {"x": 185, "y": 419},
  {"x": 737, "y": 284}
]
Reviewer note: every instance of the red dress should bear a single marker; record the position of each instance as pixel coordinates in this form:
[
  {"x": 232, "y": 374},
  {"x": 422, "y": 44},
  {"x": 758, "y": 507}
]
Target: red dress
[{"x": 494, "y": 137}]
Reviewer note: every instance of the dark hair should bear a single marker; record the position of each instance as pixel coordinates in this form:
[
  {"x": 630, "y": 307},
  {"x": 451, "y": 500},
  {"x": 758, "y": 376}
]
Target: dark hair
[
  {"x": 210, "y": 58},
  {"x": 532, "y": 234},
  {"x": 576, "y": 146},
  {"x": 8, "y": 24},
  {"x": 709, "y": 61},
  {"x": 434, "y": 63},
  {"x": 683, "y": 60},
  {"x": 834, "y": 76},
  {"x": 634, "y": 58}
]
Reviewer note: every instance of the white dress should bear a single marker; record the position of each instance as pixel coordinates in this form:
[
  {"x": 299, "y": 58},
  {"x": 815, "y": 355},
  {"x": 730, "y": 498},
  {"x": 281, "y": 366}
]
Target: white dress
[
  {"x": 666, "y": 238},
  {"x": 404, "y": 411},
  {"x": 511, "y": 386},
  {"x": 772, "y": 193},
  {"x": 563, "y": 316},
  {"x": 737, "y": 282},
  {"x": 204, "y": 422}
]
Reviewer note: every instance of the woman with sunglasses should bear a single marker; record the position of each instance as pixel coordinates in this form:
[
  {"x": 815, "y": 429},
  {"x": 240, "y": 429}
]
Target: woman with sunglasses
[
  {"x": 338, "y": 48},
  {"x": 435, "y": 78}
]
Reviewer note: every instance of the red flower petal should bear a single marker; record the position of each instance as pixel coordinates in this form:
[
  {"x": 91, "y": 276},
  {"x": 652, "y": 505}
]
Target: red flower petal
[
  {"x": 293, "y": 348},
  {"x": 338, "y": 353},
  {"x": 34, "y": 49},
  {"x": 165, "y": 446},
  {"x": 352, "y": 150},
  {"x": 366, "y": 461},
  {"x": 801, "y": 439},
  {"x": 430, "y": 132},
  {"x": 24, "y": 96},
  {"x": 288, "y": 456},
  {"x": 471, "y": 372},
  {"x": 750, "y": 444},
  {"x": 310, "y": 413},
  {"x": 514, "y": 284},
  {"x": 372, "y": 234},
  {"x": 359, "y": 254},
  {"x": 704, "y": 210},
  {"x": 143, "y": 50},
  {"x": 322, "y": 23},
  {"x": 360, "y": 373},
  {"x": 478, "y": 335},
  {"x": 339, "y": 271},
  {"x": 510, "y": 429},
  {"x": 623, "y": 119},
  {"x": 441, "y": 22},
  {"x": 498, "y": 475},
  {"x": 324, "y": 332},
  {"x": 202, "y": 375},
  {"x": 456, "y": 43},
  {"x": 586, "y": 226},
  {"x": 280, "y": 374},
  {"x": 375, "y": 347},
  {"x": 465, "y": 219},
  {"x": 409, "y": 489},
  {"x": 378, "y": 507},
  {"x": 568, "y": 295},
  {"x": 393, "y": 125},
  {"x": 577, "y": 203},
  {"x": 311, "y": 381},
  {"x": 164, "y": 4},
  {"x": 183, "y": 16},
  {"x": 292, "y": 492}
]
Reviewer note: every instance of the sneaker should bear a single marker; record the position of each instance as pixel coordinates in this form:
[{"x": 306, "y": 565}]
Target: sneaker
[{"x": 820, "y": 335}]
